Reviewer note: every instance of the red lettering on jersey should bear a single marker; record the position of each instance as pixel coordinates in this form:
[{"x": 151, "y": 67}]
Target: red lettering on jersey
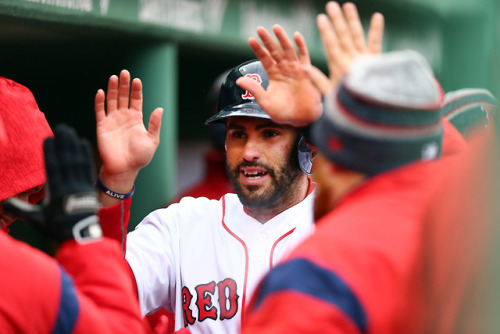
[
  {"x": 186, "y": 300},
  {"x": 247, "y": 95},
  {"x": 228, "y": 298},
  {"x": 206, "y": 309}
]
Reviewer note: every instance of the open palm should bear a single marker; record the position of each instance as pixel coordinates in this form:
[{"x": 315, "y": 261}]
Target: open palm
[
  {"x": 290, "y": 92},
  {"x": 124, "y": 144}
]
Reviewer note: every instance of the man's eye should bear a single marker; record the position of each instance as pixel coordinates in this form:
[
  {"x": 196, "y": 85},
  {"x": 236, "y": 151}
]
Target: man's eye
[
  {"x": 271, "y": 133},
  {"x": 237, "y": 134}
]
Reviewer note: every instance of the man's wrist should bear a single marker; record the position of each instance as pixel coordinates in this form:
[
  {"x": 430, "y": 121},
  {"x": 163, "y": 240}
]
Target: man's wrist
[
  {"x": 101, "y": 186},
  {"x": 120, "y": 183}
]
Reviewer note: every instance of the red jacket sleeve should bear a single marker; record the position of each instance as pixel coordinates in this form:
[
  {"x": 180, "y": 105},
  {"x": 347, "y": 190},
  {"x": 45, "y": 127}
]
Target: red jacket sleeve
[
  {"x": 29, "y": 285},
  {"x": 88, "y": 291},
  {"x": 102, "y": 287}
]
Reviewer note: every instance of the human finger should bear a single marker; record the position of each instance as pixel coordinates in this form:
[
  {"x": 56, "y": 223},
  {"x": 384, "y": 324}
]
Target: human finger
[
  {"x": 376, "y": 33},
  {"x": 155, "y": 124},
  {"x": 340, "y": 26},
  {"x": 99, "y": 108},
  {"x": 330, "y": 44},
  {"x": 261, "y": 52},
  {"x": 320, "y": 80},
  {"x": 252, "y": 87},
  {"x": 288, "y": 50},
  {"x": 305, "y": 58},
  {"x": 124, "y": 90},
  {"x": 355, "y": 27},
  {"x": 136, "y": 95},
  {"x": 272, "y": 46},
  {"x": 112, "y": 94}
]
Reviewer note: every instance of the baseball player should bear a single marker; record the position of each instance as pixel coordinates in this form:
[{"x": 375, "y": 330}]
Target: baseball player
[
  {"x": 215, "y": 182},
  {"x": 201, "y": 258}
]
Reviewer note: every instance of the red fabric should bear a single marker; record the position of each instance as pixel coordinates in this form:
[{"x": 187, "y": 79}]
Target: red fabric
[
  {"x": 320, "y": 317},
  {"x": 114, "y": 221},
  {"x": 371, "y": 240},
  {"x": 453, "y": 141},
  {"x": 31, "y": 284},
  {"x": 459, "y": 255},
  {"x": 21, "y": 162}
]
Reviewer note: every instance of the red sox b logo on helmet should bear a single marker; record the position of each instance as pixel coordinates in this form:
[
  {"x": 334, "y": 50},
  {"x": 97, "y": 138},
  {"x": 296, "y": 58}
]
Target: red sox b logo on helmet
[{"x": 247, "y": 95}]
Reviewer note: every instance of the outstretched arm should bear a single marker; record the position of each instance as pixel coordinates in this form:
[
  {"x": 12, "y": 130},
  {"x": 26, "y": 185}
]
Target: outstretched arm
[{"x": 124, "y": 144}]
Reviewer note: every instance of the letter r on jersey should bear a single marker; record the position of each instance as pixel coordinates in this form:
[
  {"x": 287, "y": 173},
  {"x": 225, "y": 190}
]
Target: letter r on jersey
[{"x": 186, "y": 300}]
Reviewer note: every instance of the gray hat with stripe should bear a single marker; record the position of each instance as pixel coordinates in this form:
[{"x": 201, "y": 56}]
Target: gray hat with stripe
[{"x": 385, "y": 114}]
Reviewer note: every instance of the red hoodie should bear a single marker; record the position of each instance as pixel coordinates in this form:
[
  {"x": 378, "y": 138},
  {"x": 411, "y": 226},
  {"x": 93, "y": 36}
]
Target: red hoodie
[{"x": 21, "y": 162}]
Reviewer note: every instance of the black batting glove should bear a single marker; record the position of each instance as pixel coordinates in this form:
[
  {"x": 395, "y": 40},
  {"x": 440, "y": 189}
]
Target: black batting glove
[{"x": 69, "y": 208}]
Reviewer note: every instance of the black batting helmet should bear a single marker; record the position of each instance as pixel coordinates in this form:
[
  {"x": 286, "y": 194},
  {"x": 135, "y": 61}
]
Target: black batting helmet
[{"x": 235, "y": 101}]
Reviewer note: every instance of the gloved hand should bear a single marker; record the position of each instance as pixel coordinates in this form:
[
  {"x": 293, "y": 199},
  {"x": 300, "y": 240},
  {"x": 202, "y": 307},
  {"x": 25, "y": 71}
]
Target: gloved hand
[{"x": 70, "y": 204}]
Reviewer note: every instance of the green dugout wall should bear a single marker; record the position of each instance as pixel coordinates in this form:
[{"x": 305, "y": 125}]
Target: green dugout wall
[{"x": 64, "y": 50}]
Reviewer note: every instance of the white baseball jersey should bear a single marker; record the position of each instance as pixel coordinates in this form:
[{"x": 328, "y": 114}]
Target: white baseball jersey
[{"x": 202, "y": 259}]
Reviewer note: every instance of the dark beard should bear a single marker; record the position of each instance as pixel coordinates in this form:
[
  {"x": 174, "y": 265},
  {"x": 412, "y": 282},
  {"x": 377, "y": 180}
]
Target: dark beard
[{"x": 282, "y": 182}]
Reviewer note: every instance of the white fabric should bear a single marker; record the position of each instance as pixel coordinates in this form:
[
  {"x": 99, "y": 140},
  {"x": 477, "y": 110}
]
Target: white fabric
[{"x": 187, "y": 245}]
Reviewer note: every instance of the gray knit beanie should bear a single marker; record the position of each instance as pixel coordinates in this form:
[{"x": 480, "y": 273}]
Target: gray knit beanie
[{"x": 386, "y": 113}]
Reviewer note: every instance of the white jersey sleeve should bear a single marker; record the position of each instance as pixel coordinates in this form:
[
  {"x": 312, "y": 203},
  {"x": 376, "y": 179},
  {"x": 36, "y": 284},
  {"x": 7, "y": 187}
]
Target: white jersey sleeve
[{"x": 151, "y": 253}]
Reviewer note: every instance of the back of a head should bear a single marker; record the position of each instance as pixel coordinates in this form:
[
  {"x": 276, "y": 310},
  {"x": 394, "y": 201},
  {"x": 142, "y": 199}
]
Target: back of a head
[
  {"x": 385, "y": 114},
  {"x": 21, "y": 162}
]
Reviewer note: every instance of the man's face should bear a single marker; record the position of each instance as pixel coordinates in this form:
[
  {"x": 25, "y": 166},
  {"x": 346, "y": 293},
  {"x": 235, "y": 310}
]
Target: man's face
[
  {"x": 6, "y": 218},
  {"x": 261, "y": 160}
]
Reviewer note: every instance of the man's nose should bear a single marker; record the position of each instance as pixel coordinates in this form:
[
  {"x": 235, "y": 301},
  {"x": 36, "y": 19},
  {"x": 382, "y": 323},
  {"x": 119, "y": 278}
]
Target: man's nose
[{"x": 252, "y": 150}]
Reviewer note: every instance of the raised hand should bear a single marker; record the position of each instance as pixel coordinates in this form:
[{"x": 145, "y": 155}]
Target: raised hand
[
  {"x": 290, "y": 97},
  {"x": 295, "y": 86},
  {"x": 343, "y": 41},
  {"x": 124, "y": 144}
]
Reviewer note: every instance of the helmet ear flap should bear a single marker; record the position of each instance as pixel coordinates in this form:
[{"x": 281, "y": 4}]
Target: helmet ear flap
[{"x": 305, "y": 158}]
